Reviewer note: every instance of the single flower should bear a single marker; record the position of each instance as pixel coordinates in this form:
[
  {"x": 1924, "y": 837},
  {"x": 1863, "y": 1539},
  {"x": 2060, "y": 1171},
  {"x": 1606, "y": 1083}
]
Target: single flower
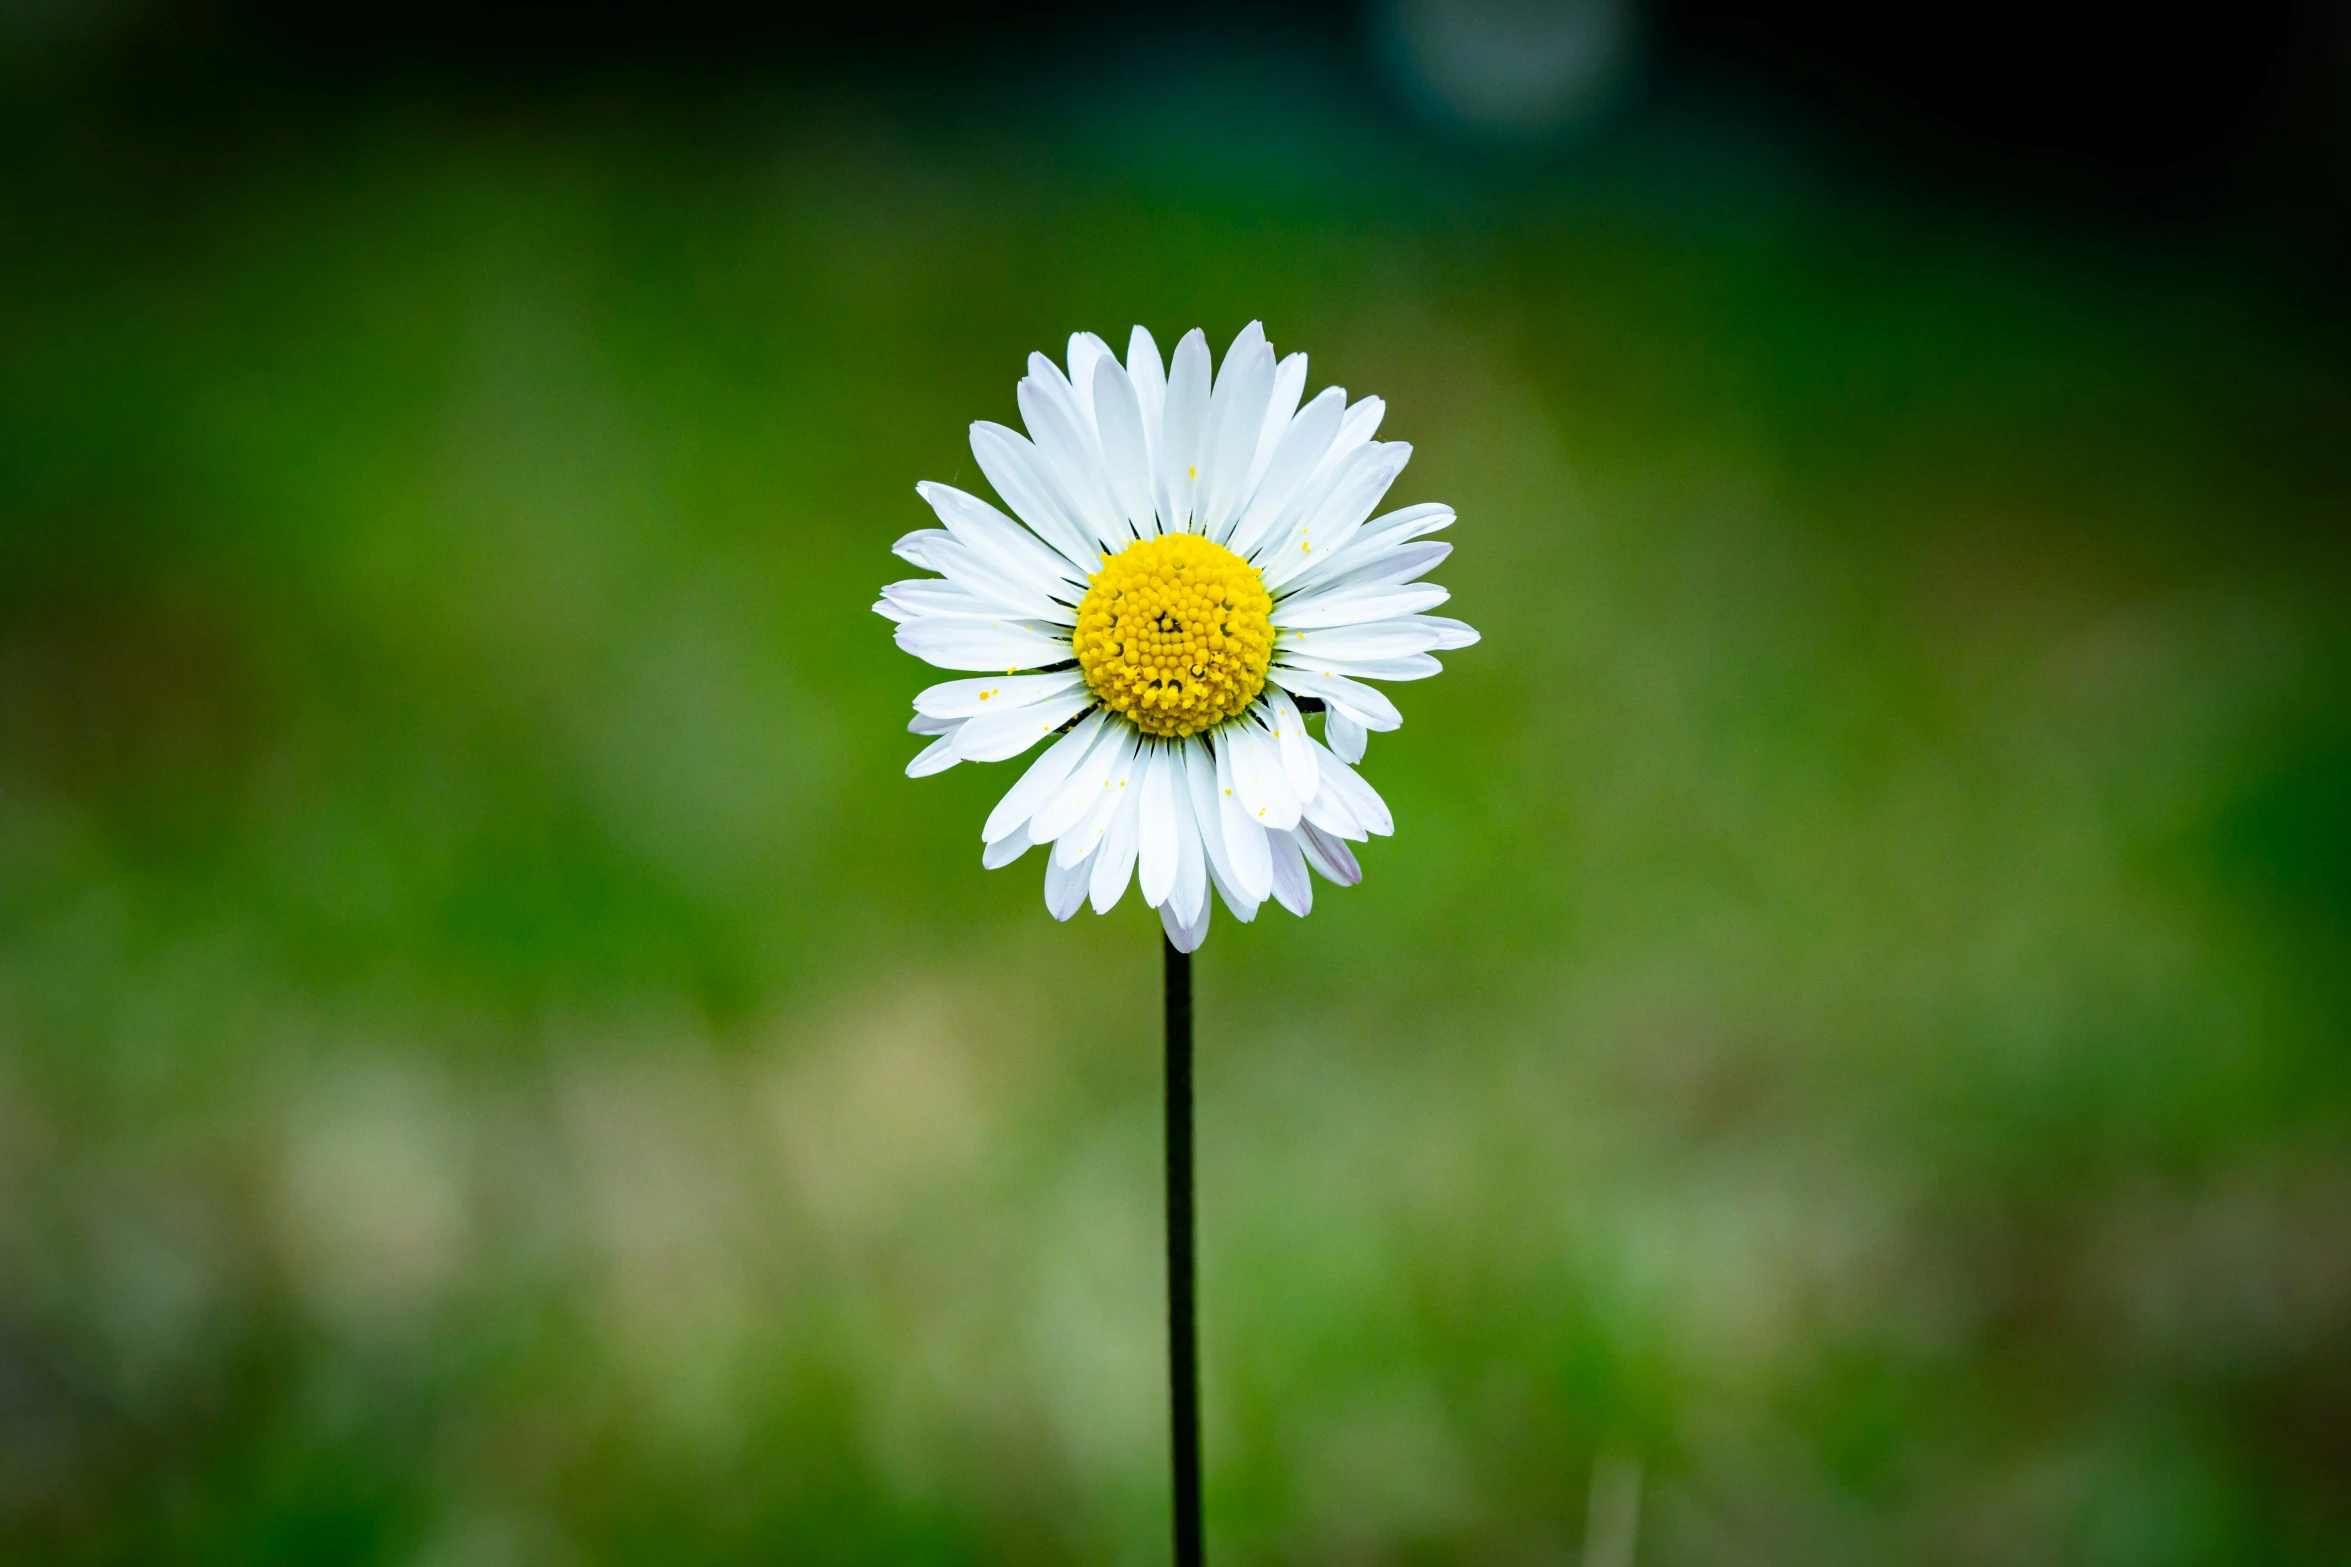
[{"x": 1199, "y": 569}]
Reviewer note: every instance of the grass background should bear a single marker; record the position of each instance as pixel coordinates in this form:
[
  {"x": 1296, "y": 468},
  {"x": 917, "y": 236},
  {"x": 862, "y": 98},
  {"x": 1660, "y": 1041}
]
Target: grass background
[{"x": 497, "y": 1065}]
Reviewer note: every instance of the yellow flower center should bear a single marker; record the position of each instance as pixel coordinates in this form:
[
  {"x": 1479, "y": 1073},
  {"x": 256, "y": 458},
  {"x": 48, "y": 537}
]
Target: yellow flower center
[{"x": 1175, "y": 634}]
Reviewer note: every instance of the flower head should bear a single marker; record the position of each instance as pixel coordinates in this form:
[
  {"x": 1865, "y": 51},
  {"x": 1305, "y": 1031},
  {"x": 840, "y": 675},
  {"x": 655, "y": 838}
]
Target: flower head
[{"x": 1200, "y": 568}]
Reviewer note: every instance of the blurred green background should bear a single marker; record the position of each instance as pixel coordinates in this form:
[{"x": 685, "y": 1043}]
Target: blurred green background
[{"x": 1842, "y": 1061}]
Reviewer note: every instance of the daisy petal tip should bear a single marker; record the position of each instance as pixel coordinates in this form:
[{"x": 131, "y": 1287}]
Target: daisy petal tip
[{"x": 1180, "y": 935}]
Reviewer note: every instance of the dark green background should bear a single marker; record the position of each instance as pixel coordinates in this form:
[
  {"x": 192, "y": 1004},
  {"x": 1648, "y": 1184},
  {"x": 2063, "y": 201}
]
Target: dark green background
[{"x": 498, "y": 1066}]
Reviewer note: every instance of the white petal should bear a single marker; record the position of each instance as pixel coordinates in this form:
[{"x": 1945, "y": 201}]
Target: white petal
[
  {"x": 1401, "y": 526},
  {"x": 1182, "y": 934},
  {"x": 1205, "y": 796},
  {"x": 1065, "y": 886},
  {"x": 1118, "y": 415},
  {"x": 1008, "y": 731},
  {"x": 1333, "y": 859},
  {"x": 1253, "y": 759},
  {"x": 1356, "y": 428},
  {"x": 1346, "y": 736},
  {"x": 1236, "y": 417},
  {"x": 1116, "y": 792},
  {"x": 1150, "y": 382},
  {"x": 1003, "y": 851},
  {"x": 1114, "y": 864},
  {"x": 1278, "y": 493},
  {"x": 936, "y": 757},
  {"x": 1086, "y": 352},
  {"x": 1289, "y": 385},
  {"x": 914, "y": 548},
  {"x": 1082, "y": 838},
  {"x": 1366, "y": 705},
  {"x": 991, "y": 693},
  {"x": 1297, "y": 747},
  {"x": 1388, "y": 563},
  {"x": 1328, "y": 811},
  {"x": 1073, "y": 458},
  {"x": 1362, "y": 639},
  {"x": 985, "y": 578},
  {"x": 1404, "y": 666},
  {"x": 924, "y": 724},
  {"x": 1327, "y": 529},
  {"x": 1360, "y": 425},
  {"x": 980, "y": 527},
  {"x": 1044, "y": 778},
  {"x": 1017, "y": 471},
  {"x": 1244, "y": 838},
  {"x": 1191, "y": 879},
  {"x": 943, "y": 552},
  {"x": 1451, "y": 633},
  {"x": 1361, "y": 800},
  {"x": 1293, "y": 889},
  {"x": 1242, "y": 905},
  {"x": 952, "y": 642},
  {"x": 1244, "y": 908},
  {"x": 934, "y": 548},
  {"x": 1090, "y": 775},
  {"x": 917, "y": 597},
  {"x": 1347, "y": 606},
  {"x": 1156, "y": 828},
  {"x": 1184, "y": 427}
]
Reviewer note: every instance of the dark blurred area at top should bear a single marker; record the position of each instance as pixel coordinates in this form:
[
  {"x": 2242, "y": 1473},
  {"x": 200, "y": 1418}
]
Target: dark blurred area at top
[{"x": 2198, "y": 110}]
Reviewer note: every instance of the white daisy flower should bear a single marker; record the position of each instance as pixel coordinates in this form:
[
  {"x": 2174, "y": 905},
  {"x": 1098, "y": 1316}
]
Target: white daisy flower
[{"x": 1199, "y": 569}]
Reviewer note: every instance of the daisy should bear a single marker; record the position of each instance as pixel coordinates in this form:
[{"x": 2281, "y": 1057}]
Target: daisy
[{"x": 1195, "y": 569}]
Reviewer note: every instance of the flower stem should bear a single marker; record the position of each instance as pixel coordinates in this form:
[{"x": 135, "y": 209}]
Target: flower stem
[{"x": 1183, "y": 1339}]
